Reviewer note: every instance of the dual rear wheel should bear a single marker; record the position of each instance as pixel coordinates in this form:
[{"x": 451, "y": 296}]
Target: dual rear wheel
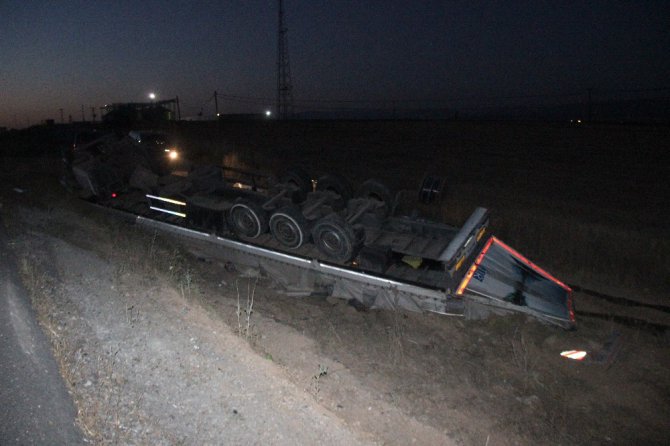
[
  {"x": 247, "y": 219},
  {"x": 332, "y": 235},
  {"x": 336, "y": 239},
  {"x": 289, "y": 227}
]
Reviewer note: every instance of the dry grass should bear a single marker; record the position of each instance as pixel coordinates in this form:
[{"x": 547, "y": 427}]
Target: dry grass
[
  {"x": 136, "y": 250},
  {"x": 66, "y": 352},
  {"x": 591, "y": 254},
  {"x": 316, "y": 380},
  {"x": 523, "y": 359},
  {"x": 244, "y": 313},
  {"x": 101, "y": 396},
  {"x": 396, "y": 334}
]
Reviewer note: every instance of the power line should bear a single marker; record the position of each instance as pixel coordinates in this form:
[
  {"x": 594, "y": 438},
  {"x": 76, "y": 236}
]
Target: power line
[{"x": 580, "y": 94}]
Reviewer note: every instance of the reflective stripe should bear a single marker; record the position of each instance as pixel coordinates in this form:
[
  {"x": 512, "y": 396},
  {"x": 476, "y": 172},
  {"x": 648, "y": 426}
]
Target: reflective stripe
[
  {"x": 178, "y": 214},
  {"x": 473, "y": 268},
  {"x": 167, "y": 200}
]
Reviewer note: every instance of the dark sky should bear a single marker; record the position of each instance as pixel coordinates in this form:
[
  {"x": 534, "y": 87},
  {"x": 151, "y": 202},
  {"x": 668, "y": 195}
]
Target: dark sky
[{"x": 64, "y": 54}]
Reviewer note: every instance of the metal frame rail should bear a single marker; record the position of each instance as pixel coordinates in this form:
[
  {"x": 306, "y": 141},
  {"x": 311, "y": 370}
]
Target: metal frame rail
[{"x": 423, "y": 298}]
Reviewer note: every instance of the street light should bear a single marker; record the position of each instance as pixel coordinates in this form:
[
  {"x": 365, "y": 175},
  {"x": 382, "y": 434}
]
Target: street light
[
  {"x": 268, "y": 113},
  {"x": 152, "y": 96}
]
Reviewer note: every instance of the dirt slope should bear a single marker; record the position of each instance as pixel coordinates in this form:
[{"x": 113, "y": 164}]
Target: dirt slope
[{"x": 148, "y": 366}]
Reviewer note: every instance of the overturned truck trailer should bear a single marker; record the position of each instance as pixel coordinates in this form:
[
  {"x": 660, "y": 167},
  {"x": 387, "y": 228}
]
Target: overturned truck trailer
[{"x": 319, "y": 237}]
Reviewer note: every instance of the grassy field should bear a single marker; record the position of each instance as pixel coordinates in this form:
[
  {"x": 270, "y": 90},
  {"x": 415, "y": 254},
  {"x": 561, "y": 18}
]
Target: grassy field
[{"x": 586, "y": 201}]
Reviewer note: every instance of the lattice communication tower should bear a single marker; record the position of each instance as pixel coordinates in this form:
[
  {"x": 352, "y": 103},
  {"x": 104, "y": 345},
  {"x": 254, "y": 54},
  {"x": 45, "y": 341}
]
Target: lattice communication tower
[{"x": 284, "y": 86}]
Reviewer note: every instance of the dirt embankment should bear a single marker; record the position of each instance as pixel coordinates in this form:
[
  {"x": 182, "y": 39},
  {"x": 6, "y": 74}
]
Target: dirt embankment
[{"x": 147, "y": 365}]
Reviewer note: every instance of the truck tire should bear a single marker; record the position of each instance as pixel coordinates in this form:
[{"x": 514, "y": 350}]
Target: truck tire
[
  {"x": 336, "y": 184},
  {"x": 300, "y": 180},
  {"x": 375, "y": 190},
  {"x": 247, "y": 219},
  {"x": 335, "y": 238},
  {"x": 289, "y": 227}
]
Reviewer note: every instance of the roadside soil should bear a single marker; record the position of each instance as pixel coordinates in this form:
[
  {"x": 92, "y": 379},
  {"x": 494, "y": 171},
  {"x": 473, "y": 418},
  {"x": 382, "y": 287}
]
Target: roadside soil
[{"x": 160, "y": 344}]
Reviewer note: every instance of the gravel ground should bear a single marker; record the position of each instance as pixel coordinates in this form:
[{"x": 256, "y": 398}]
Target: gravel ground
[{"x": 150, "y": 367}]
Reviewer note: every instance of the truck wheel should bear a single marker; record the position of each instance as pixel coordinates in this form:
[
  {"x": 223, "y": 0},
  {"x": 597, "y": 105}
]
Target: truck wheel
[
  {"x": 336, "y": 184},
  {"x": 335, "y": 238},
  {"x": 300, "y": 180},
  {"x": 289, "y": 227},
  {"x": 377, "y": 191},
  {"x": 247, "y": 219}
]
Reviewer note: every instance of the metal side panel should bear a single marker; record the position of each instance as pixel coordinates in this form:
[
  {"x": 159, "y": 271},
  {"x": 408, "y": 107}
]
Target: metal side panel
[
  {"x": 312, "y": 275},
  {"x": 502, "y": 277}
]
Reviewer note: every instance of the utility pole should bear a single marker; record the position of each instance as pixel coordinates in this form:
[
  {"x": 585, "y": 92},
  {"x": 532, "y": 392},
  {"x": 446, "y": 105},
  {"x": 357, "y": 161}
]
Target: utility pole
[
  {"x": 83, "y": 118},
  {"x": 178, "y": 110},
  {"x": 284, "y": 87},
  {"x": 61, "y": 116},
  {"x": 93, "y": 113},
  {"x": 216, "y": 104}
]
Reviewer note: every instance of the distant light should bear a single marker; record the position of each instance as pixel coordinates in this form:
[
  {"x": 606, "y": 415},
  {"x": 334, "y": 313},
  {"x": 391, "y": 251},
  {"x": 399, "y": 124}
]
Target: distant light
[
  {"x": 268, "y": 113},
  {"x": 218, "y": 114},
  {"x": 579, "y": 121},
  {"x": 152, "y": 96},
  {"x": 173, "y": 155}
]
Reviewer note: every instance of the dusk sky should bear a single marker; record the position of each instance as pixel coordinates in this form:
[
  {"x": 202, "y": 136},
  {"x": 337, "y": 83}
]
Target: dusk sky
[{"x": 64, "y": 54}]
